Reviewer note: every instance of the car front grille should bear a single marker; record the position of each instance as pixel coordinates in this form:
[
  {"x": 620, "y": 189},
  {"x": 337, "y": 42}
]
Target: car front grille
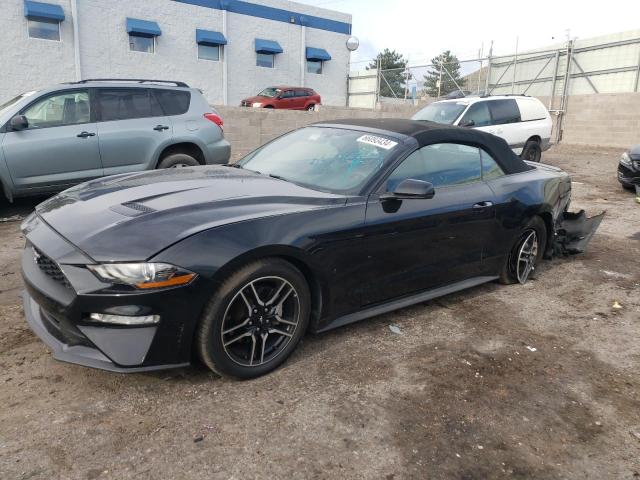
[
  {"x": 636, "y": 165},
  {"x": 50, "y": 268}
]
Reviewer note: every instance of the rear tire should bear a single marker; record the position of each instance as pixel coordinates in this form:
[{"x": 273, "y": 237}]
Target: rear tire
[
  {"x": 255, "y": 320},
  {"x": 178, "y": 160},
  {"x": 514, "y": 268},
  {"x": 532, "y": 151}
]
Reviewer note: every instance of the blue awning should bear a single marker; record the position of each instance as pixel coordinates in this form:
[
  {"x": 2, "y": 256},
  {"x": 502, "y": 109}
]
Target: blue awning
[
  {"x": 46, "y": 11},
  {"x": 317, "y": 54},
  {"x": 143, "y": 28},
  {"x": 268, "y": 46},
  {"x": 207, "y": 37}
]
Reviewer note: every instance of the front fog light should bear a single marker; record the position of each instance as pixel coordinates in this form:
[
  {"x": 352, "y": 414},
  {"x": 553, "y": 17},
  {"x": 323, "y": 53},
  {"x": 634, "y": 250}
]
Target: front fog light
[{"x": 124, "y": 319}]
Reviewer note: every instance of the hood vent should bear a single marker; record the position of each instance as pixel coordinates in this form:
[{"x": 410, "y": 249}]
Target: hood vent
[{"x": 132, "y": 209}]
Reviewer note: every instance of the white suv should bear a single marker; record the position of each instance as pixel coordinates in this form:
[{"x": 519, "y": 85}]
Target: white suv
[{"x": 523, "y": 122}]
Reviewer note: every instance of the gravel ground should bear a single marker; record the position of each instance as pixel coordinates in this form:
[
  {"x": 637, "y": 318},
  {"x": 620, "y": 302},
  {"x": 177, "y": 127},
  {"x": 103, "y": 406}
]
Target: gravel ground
[{"x": 536, "y": 381}]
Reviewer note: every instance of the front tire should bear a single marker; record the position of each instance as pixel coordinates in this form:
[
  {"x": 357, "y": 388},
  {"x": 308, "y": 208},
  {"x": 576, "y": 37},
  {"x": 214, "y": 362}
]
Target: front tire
[
  {"x": 532, "y": 151},
  {"x": 178, "y": 160},
  {"x": 311, "y": 108},
  {"x": 255, "y": 320},
  {"x": 526, "y": 254}
]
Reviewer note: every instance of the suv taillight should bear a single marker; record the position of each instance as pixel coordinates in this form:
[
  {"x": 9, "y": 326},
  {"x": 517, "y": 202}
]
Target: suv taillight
[{"x": 215, "y": 118}]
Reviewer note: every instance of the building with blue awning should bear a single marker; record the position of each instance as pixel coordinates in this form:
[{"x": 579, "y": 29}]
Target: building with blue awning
[{"x": 230, "y": 49}]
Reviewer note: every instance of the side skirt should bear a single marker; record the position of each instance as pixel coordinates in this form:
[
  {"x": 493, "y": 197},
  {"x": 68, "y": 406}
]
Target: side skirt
[{"x": 405, "y": 302}]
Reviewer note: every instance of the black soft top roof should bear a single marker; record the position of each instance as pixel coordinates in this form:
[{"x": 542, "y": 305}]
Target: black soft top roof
[{"x": 428, "y": 133}]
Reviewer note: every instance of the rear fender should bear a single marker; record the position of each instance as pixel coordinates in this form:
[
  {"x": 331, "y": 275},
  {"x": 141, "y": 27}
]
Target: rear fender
[{"x": 574, "y": 232}]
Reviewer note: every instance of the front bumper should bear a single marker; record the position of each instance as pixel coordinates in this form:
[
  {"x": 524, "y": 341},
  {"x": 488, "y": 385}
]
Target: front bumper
[
  {"x": 132, "y": 346},
  {"x": 61, "y": 293},
  {"x": 627, "y": 176}
]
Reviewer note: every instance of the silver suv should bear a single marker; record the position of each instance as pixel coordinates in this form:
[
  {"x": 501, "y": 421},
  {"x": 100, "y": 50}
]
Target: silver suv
[{"x": 64, "y": 135}]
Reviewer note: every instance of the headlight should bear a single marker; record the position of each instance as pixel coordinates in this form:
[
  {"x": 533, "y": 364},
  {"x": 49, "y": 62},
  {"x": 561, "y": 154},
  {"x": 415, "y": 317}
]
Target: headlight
[
  {"x": 256, "y": 104},
  {"x": 626, "y": 160},
  {"x": 142, "y": 275}
]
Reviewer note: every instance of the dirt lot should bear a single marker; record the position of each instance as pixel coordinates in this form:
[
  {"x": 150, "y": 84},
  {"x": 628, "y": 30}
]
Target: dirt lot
[{"x": 537, "y": 381}]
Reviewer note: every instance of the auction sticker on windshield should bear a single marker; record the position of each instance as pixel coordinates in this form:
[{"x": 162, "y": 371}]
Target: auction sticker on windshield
[{"x": 380, "y": 142}]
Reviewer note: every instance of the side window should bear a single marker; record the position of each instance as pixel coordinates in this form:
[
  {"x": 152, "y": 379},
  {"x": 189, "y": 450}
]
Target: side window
[
  {"x": 288, "y": 94},
  {"x": 504, "y": 111},
  {"x": 478, "y": 113},
  {"x": 67, "y": 108},
  {"x": 442, "y": 164},
  {"x": 490, "y": 168},
  {"x": 126, "y": 103},
  {"x": 302, "y": 93},
  {"x": 173, "y": 102}
]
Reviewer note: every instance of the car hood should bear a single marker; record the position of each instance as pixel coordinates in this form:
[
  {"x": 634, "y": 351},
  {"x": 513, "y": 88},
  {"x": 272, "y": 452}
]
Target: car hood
[
  {"x": 258, "y": 98},
  {"x": 132, "y": 217},
  {"x": 634, "y": 152}
]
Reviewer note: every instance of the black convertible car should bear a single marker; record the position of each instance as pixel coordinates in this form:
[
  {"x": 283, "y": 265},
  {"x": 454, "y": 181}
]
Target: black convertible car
[{"x": 324, "y": 226}]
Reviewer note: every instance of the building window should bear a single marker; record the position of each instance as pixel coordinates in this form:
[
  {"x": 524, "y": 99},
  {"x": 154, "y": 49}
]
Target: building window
[
  {"x": 209, "y": 52},
  {"x": 44, "y": 28},
  {"x": 142, "y": 44},
  {"x": 265, "y": 60},
  {"x": 314, "y": 66}
]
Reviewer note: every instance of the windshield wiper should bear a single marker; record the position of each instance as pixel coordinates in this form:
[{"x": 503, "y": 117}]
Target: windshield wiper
[{"x": 233, "y": 165}]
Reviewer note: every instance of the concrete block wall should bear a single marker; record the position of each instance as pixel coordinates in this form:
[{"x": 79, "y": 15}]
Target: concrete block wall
[
  {"x": 248, "y": 128},
  {"x": 607, "y": 119}
]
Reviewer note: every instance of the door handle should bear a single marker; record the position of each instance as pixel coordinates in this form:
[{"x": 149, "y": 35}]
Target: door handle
[
  {"x": 86, "y": 134},
  {"x": 159, "y": 128},
  {"x": 479, "y": 205}
]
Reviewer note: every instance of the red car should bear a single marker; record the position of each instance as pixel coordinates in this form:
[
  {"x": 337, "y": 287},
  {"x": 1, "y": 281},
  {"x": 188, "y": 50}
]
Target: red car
[{"x": 290, "y": 98}]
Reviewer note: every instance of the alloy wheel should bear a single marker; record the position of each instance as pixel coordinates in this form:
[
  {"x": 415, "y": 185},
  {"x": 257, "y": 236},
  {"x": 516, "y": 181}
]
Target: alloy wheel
[
  {"x": 260, "y": 321},
  {"x": 526, "y": 256}
]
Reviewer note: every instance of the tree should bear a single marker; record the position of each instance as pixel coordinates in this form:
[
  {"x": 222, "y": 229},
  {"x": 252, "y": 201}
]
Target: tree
[
  {"x": 392, "y": 73},
  {"x": 450, "y": 64}
]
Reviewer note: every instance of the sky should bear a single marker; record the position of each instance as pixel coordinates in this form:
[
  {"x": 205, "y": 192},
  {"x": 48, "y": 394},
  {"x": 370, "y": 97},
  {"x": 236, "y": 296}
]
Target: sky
[{"x": 421, "y": 29}]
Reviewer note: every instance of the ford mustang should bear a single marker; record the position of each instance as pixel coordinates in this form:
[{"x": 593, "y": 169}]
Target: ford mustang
[{"x": 324, "y": 226}]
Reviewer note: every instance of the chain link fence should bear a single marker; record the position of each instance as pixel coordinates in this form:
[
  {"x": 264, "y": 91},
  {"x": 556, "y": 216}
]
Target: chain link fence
[{"x": 607, "y": 64}]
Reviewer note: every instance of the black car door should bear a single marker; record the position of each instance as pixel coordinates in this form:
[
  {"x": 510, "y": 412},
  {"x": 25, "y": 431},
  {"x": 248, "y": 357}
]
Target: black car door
[{"x": 418, "y": 244}]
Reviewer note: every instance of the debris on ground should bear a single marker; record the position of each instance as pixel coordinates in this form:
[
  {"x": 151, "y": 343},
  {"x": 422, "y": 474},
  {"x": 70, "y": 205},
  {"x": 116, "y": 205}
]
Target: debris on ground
[
  {"x": 616, "y": 305},
  {"x": 395, "y": 329},
  {"x": 13, "y": 218},
  {"x": 532, "y": 349}
]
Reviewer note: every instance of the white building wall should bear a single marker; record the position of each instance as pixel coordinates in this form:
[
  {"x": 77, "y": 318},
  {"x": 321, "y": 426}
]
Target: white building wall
[
  {"x": 31, "y": 63},
  {"x": 332, "y": 83},
  {"x": 104, "y": 49},
  {"x": 104, "y": 43},
  {"x": 247, "y": 79}
]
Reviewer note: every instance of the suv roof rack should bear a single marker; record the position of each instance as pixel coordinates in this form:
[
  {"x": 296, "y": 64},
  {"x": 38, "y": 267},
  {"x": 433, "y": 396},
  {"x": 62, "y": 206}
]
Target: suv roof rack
[
  {"x": 505, "y": 95},
  {"x": 136, "y": 80}
]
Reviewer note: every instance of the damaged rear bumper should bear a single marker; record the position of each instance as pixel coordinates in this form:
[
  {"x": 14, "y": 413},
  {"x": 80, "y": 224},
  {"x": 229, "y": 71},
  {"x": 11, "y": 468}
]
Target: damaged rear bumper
[{"x": 574, "y": 232}]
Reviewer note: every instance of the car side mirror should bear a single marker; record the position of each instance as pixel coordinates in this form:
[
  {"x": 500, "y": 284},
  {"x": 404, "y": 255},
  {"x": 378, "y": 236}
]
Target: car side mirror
[
  {"x": 19, "y": 122},
  {"x": 410, "y": 188},
  {"x": 467, "y": 123}
]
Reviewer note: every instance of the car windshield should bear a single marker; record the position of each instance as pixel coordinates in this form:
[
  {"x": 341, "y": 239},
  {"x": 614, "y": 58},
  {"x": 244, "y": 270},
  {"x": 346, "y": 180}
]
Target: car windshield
[
  {"x": 7, "y": 105},
  {"x": 441, "y": 112},
  {"x": 270, "y": 92},
  {"x": 331, "y": 160}
]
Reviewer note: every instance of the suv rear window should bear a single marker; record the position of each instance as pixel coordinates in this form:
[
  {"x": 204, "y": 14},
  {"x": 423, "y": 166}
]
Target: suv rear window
[
  {"x": 173, "y": 102},
  {"x": 126, "y": 103},
  {"x": 504, "y": 111}
]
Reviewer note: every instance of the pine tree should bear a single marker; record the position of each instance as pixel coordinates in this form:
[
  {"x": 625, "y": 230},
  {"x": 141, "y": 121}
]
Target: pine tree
[
  {"x": 392, "y": 66},
  {"x": 449, "y": 63}
]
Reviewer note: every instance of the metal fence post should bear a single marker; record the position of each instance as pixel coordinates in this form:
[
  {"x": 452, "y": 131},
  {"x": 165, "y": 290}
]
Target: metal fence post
[
  {"x": 553, "y": 82},
  {"x": 488, "y": 79},
  {"x": 635, "y": 88}
]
